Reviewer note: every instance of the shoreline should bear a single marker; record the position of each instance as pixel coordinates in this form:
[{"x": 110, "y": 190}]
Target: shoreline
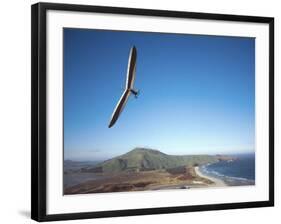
[{"x": 216, "y": 181}]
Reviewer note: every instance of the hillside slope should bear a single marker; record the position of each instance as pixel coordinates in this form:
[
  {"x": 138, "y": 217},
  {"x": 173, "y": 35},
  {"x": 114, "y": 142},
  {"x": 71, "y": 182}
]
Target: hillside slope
[{"x": 148, "y": 159}]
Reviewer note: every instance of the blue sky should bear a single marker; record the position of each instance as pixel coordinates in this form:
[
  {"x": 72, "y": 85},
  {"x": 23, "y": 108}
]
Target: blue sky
[{"x": 197, "y": 93}]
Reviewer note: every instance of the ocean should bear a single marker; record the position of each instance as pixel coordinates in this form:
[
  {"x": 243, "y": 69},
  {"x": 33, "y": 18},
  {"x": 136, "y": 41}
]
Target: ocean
[{"x": 240, "y": 171}]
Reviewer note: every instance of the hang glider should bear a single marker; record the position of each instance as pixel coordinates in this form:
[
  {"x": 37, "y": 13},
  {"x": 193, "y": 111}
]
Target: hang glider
[{"x": 129, "y": 89}]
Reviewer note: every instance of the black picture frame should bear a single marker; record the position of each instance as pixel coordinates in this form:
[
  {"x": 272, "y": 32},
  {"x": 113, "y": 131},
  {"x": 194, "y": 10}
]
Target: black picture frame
[{"x": 38, "y": 108}]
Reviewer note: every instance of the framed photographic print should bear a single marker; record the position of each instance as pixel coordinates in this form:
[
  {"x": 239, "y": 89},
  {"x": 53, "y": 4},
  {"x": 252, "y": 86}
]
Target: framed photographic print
[{"x": 139, "y": 111}]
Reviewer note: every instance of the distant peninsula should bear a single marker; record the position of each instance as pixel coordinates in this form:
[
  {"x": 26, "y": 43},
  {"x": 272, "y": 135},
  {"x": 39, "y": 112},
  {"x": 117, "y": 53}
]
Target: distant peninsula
[
  {"x": 144, "y": 169},
  {"x": 144, "y": 159}
]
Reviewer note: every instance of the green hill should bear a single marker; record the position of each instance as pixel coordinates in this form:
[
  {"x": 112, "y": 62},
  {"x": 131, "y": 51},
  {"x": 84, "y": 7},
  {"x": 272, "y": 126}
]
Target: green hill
[{"x": 149, "y": 159}]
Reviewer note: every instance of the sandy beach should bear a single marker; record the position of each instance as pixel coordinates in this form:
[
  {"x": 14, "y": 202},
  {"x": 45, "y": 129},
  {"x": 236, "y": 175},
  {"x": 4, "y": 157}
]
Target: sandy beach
[{"x": 217, "y": 182}]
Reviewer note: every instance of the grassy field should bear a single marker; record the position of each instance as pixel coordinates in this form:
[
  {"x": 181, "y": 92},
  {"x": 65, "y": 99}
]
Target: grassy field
[{"x": 183, "y": 177}]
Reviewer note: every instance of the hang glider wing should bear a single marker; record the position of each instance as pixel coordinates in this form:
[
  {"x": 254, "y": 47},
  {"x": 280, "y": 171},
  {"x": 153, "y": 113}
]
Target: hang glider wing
[
  {"x": 120, "y": 106},
  {"x": 131, "y": 73}
]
